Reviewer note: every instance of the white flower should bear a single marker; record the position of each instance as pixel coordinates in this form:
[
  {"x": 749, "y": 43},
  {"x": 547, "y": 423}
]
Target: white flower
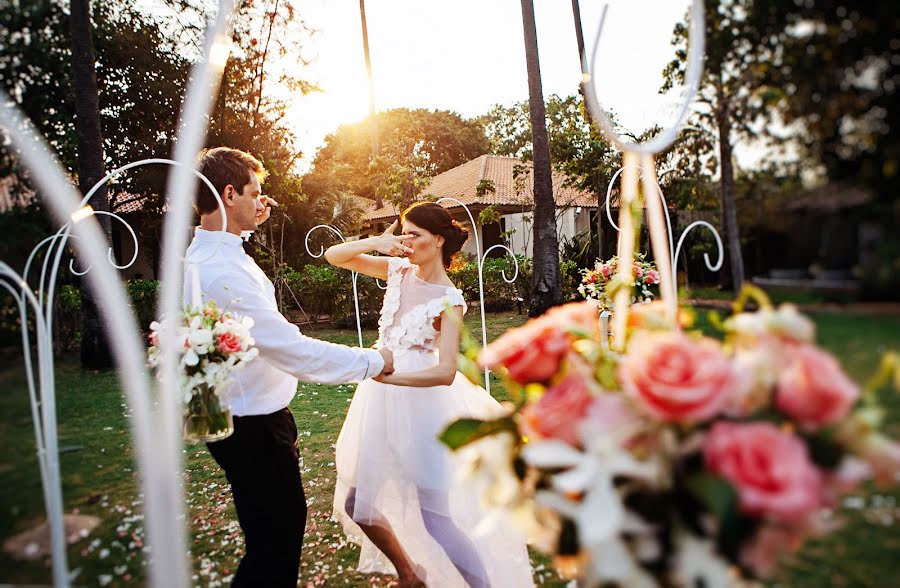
[
  {"x": 488, "y": 464},
  {"x": 755, "y": 365},
  {"x": 190, "y": 357},
  {"x": 600, "y": 516},
  {"x": 697, "y": 563},
  {"x": 785, "y": 322},
  {"x": 200, "y": 340}
]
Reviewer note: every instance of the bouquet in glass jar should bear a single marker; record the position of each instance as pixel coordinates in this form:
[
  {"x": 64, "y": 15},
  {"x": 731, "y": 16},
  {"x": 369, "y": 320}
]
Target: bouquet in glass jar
[{"x": 216, "y": 343}]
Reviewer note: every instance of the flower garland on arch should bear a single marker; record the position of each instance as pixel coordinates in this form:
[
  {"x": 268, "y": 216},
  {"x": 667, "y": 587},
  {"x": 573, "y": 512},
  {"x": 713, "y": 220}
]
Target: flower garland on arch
[{"x": 598, "y": 283}]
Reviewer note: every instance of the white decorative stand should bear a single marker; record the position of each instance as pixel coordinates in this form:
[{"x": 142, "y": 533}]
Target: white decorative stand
[
  {"x": 354, "y": 276},
  {"x": 676, "y": 250},
  {"x": 640, "y": 156},
  {"x": 155, "y": 424}
]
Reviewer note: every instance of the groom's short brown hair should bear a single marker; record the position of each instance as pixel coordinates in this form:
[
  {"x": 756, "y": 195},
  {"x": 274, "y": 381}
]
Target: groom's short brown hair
[{"x": 223, "y": 166}]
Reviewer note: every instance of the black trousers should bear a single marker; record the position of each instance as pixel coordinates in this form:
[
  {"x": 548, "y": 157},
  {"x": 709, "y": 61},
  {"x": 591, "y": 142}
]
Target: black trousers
[{"x": 262, "y": 465}]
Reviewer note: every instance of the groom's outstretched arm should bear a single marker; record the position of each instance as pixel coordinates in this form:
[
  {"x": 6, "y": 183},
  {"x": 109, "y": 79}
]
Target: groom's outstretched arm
[{"x": 281, "y": 343}]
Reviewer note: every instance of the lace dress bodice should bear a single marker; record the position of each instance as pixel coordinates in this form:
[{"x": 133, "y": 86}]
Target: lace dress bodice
[{"x": 410, "y": 308}]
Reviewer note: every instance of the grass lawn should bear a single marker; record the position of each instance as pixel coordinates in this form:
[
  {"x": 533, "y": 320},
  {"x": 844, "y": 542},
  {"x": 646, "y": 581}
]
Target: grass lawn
[{"x": 98, "y": 476}]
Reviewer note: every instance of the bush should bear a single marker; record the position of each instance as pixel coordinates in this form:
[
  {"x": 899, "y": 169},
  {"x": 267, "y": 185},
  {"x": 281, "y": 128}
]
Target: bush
[
  {"x": 498, "y": 294},
  {"x": 143, "y": 295},
  {"x": 327, "y": 291},
  {"x": 880, "y": 276},
  {"x": 319, "y": 289},
  {"x": 67, "y": 313}
]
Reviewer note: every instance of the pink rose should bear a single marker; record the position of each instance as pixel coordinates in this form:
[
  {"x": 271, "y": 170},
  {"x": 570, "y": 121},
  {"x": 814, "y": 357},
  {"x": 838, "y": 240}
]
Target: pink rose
[
  {"x": 653, "y": 277},
  {"x": 559, "y": 409},
  {"x": 532, "y": 352},
  {"x": 771, "y": 543},
  {"x": 812, "y": 388},
  {"x": 638, "y": 271},
  {"x": 228, "y": 343},
  {"x": 609, "y": 413},
  {"x": 770, "y": 470},
  {"x": 154, "y": 339},
  {"x": 674, "y": 377}
]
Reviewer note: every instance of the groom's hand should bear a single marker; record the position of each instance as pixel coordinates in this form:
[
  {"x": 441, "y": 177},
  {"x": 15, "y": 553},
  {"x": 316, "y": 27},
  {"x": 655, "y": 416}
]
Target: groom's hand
[
  {"x": 264, "y": 206},
  {"x": 388, "y": 361}
]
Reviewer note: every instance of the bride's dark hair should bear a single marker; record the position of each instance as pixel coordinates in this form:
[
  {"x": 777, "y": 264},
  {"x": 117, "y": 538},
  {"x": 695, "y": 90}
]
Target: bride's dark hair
[{"x": 435, "y": 219}]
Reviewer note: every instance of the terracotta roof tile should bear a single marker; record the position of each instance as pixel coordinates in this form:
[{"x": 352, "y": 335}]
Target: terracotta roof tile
[{"x": 462, "y": 183}]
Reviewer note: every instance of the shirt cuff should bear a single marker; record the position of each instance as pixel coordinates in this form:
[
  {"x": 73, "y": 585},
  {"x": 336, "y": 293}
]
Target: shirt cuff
[{"x": 375, "y": 363}]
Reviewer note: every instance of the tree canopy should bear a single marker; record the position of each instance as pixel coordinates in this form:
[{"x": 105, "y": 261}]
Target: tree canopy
[{"x": 414, "y": 145}]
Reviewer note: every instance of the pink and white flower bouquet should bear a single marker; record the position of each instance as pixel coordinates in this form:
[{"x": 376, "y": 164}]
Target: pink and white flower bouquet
[
  {"x": 598, "y": 284},
  {"x": 215, "y": 343},
  {"x": 679, "y": 458}
]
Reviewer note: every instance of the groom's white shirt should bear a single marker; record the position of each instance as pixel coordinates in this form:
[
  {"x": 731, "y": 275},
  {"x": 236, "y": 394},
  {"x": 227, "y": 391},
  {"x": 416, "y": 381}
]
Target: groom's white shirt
[{"x": 268, "y": 383}]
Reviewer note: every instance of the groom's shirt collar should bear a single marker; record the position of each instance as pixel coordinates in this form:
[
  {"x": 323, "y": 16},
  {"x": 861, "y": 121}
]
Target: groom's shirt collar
[{"x": 226, "y": 239}]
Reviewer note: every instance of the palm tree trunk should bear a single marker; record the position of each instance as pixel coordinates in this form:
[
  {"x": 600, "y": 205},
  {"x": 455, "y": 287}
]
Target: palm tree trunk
[
  {"x": 94, "y": 349},
  {"x": 729, "y": 210},
  {"x": 373, "y": 121},
  {"x": 545, "y": 288}
]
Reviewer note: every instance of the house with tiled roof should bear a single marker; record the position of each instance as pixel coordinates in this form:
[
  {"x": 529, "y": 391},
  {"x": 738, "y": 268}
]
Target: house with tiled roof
[{"x": 503, "y": 185}]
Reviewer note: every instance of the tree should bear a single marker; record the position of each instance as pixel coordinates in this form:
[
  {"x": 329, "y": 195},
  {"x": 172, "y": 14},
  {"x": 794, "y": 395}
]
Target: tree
[
  {"x": 729, "y": 97},
  {"x": 835, "y": 80},
  {"x": 94, "y": 348},
  {"x": 546, "y": 290},
  {"x": 142, "y": 77},
  {"x": 414, "y": 145}
]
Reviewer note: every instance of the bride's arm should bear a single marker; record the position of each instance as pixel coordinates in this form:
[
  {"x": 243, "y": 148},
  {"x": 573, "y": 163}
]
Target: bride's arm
[
  {"x": 352, "y": 254},
  {"x": 443, "y": 373}
]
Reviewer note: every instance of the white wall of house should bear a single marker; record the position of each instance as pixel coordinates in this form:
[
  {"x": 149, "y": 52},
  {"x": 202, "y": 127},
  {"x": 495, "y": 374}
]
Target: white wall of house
[
  {"x": 521, "y": 239},
  {"x": 469, "y": 246},
  {"x": 569, "y": 223}
]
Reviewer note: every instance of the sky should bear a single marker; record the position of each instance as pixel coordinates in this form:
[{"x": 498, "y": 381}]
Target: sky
[{"x": 468, "y": 55}]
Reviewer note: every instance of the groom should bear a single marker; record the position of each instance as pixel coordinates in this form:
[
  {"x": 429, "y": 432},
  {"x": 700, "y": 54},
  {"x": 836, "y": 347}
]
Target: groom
[{"x": 260, "y": 459}]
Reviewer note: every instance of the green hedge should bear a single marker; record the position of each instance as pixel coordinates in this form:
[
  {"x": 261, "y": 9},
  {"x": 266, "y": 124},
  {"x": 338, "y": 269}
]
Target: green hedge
[{"x": 67, "y": 313}]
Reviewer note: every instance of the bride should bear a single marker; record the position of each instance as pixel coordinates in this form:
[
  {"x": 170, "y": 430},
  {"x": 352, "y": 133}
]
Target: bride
[{"x": 396, "y": 493}]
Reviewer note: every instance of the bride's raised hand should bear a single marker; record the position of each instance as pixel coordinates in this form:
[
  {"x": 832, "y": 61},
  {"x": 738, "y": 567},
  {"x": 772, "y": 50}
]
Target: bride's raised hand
[{"x": 390, "y": 244}]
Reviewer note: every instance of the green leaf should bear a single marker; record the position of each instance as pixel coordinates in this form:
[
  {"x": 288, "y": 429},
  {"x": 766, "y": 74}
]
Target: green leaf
[
  {"x": 719, "y": 496},
  {"x": 721, "y": 499},
  {"x": 465, "y": 431},
  {"x": 468, "y": 368}
]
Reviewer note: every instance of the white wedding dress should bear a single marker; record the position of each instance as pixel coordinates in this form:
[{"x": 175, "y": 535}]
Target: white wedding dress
[{"x": 389, "y": 452}]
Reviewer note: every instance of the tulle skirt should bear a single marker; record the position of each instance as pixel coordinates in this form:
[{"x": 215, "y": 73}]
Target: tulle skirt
[{"x": 393, "y": 470}]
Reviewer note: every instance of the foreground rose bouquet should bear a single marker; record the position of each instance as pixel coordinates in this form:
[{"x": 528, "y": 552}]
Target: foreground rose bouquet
[
  {"x": 597, "y": 284},
  {"x": 214, "y": 344},
  {"x": 682, "y": 459}
]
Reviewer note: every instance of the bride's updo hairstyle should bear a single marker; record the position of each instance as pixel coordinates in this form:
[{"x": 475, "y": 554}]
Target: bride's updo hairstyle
[{"x": 435, "y": 219}]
